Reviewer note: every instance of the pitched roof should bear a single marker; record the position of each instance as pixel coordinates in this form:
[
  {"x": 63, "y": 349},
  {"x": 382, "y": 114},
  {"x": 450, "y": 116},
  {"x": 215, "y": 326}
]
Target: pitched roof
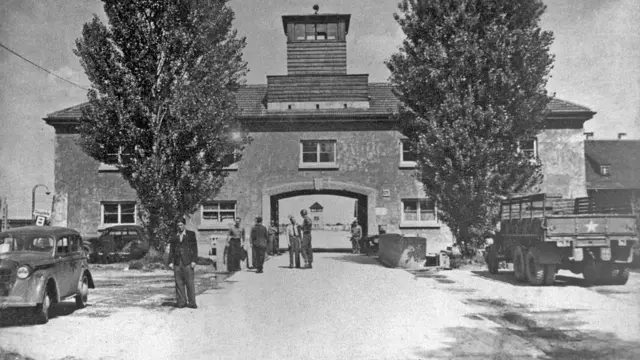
[
  {"x": 623, "y": 157},
  {"x": 251, "y": 100},
  {"x": 316, "y": 206}
]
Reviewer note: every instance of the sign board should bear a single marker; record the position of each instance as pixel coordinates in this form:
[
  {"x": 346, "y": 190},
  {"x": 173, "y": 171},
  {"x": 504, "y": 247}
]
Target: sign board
[
  {"x": 43, "y": 213},
  {"x": 40, "y": 220},
  {"x": 386, "y": 192}
]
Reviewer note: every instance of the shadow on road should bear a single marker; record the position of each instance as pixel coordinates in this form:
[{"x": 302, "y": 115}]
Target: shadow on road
[
  {"x": 356, "y": 259},
  {"x": 555, "y": 333},
  {"x": 507, "y": 277}
]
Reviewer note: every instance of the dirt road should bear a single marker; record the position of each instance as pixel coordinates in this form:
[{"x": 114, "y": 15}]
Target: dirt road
[{"x": 346, "y": 307}]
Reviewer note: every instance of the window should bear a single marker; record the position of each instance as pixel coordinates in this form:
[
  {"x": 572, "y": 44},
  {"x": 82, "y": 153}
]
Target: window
[
  {"x": 118, "y": 157},
  {"x": 118, "y": 213},
  {"x": 219, "y": 212},
  {"x": 232, "y": 159},
  {"x": 62, "y": 246},
  {"x": 318, "y": 152},
  {"x": 529, "y": 148},
  {"x": 316, "y": 218},
  {"x": 605, "y": 170},
  {"x": 322, "y": 31},
  {"x": 418, "y": 211},
  {"x": 407, "y": 157}
]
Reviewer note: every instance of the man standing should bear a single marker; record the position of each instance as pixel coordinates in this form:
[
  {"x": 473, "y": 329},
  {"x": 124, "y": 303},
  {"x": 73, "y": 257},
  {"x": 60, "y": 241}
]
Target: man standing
[
  {"x": 234, "y": 253},
  {"x": 356, "y": 236},
  {"x": 307, "y": 252},
  {"x": 259, "y": 240},
  {"x": 293, "y": 233},
  {"x": 182, "y": 256}
]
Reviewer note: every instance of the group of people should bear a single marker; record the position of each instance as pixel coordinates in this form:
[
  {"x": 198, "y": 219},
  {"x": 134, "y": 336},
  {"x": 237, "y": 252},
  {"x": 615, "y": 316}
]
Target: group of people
[
  {"x": 263, "y": 240},
  {"x": 184, "y": 250}
]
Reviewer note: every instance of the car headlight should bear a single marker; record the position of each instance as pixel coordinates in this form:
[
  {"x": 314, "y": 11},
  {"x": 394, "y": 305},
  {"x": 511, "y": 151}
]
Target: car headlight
[{"x": 24, "y": 272}]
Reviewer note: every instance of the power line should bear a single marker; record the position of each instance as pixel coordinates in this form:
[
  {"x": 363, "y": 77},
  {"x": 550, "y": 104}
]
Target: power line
[{"x": 41, "y": 68}]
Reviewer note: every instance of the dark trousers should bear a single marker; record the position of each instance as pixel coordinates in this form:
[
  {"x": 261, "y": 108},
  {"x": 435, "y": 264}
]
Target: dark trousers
[
  {"x": 260, "y": 253},
  {"x": 276, "y": 244},
  {"x": 307, "y": 251},
  {"x": 183, "y": 275},
  {"x": 294, "y": 252},
  {"x": 234, "y": 254}
]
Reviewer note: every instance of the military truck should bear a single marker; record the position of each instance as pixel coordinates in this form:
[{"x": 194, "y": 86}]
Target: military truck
[{"x": 541, "y": 234}]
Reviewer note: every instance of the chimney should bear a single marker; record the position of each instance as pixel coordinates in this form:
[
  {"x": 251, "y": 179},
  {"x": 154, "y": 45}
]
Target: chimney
[
  {"x": 622, "y": 136},
  {"x": 588, "y": 135}
]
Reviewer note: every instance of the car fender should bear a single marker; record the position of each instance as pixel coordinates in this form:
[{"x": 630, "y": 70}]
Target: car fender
[
  {"x": 41, "y": 279},
  {"x": 89, "y": 276}
]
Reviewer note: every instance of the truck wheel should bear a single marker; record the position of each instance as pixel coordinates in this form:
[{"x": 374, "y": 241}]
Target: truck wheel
[
  {"x": 550, "y": 274},
  {"x": 534, "y": 271},
  {"x": 591, "y": 271},
  {"x": 620, "y": 275},
  {"x": 492, "y": 259},
  {"x": 518, "y": 264},
  {"x": 42, "y": 309}
]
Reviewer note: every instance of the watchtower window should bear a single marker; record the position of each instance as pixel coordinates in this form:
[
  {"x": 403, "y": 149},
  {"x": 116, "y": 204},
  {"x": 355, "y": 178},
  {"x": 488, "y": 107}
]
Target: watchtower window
[
  {"x": 322, "y": 31},
  {"x": 300, "y": 35}
]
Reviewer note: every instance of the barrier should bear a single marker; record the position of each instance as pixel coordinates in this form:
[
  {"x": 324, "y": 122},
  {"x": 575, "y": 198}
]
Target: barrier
[{"x": 408, "y": 252}]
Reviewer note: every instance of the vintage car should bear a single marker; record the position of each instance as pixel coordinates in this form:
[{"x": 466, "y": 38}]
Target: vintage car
[
  {"x": 41, "y": 266},
  {"x": 119, "y": 242}
]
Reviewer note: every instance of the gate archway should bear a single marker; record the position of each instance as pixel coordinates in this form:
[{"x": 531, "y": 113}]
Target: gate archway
[{"x": 365, "y": 197}]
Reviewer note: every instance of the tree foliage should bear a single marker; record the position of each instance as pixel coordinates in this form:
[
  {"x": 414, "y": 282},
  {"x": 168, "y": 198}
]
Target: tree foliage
[
  {"x": 162, "y": 107},
  {"x": 471, "y": 76}
]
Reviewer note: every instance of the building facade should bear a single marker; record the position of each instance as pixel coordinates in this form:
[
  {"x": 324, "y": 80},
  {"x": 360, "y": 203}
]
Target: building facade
[{"x": 315, "y": 130}]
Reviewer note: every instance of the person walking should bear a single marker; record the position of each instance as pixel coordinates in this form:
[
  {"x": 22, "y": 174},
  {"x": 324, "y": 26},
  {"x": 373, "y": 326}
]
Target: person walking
[
  {"x": 293, "y": 233},
  {"x": 356, "y": 236},
  {"x": 183, "y": 254},
  {"x": 259, "y": 240},
  {"x": 234, "y": 252},
  {"x": 307, "y": 250},
  {"x": 270, "y": 243}
]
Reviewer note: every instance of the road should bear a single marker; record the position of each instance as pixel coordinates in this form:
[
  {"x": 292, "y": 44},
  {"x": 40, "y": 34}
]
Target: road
[{"x": 346, "y": 307}]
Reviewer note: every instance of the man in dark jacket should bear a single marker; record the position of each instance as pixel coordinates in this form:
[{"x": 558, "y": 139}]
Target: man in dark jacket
[
  {"x": 259, "y": 240},
  {"x": 182, "y": 256}
]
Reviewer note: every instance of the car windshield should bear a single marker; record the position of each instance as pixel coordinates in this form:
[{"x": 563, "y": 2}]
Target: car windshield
[{"x": 25, "y": 242}]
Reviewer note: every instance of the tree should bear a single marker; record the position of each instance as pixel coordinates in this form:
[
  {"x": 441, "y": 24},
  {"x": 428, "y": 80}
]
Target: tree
[
  {"x": 162, "y": 107},
  {"x": 471, "y": 78}
]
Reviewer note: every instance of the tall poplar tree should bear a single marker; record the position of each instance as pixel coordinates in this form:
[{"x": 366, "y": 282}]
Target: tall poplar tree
[
  {"x": 161, "y": 105},
  {"x": 471, "y": 76}
]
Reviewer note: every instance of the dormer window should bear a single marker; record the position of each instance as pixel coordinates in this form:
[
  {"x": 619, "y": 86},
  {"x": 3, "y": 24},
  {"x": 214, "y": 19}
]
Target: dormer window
[{"x": 605, "y": 170}]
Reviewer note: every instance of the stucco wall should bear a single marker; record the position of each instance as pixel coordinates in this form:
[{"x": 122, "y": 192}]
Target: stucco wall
[
  {"x": 561, "y": 152},
  {"x": 368, "y": 158}
]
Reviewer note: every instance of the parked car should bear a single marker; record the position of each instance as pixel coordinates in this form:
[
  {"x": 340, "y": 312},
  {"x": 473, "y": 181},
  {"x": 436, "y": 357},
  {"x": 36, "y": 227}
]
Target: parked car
[
  {"x": 120, "y": 242},
  {"x": 41, "y": 266}
]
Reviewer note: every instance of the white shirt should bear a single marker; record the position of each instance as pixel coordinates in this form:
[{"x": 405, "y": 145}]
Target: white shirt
[{"x": 292, "y": 231}]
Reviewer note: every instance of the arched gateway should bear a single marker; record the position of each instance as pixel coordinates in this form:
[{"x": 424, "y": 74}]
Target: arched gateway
[{"x": 364, "y": 195}]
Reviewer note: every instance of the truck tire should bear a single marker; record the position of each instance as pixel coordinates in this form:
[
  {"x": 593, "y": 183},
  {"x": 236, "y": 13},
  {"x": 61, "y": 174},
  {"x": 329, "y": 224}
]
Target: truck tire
[
  {"x": 592, "y": 271},
  {"x": 535, "y": 272},
  {"x": 619, "y": 275},
  {"x": 492, "y": 259},
  {"x": 550, "y": 274},
  {"x": 518, "y": 264}
]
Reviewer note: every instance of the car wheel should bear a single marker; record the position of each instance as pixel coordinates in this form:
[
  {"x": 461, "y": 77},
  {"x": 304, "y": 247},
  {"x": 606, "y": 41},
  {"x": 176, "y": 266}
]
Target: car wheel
[
  {"x": 42, "y": 309},
  {"x": 83, "y": 293}
]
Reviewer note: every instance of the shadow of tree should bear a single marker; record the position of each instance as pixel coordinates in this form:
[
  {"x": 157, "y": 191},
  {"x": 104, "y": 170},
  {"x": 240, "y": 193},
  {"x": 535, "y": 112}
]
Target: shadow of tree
[
  {"x": 528, "y": 343},
  {"x": 11, "y": 355}
]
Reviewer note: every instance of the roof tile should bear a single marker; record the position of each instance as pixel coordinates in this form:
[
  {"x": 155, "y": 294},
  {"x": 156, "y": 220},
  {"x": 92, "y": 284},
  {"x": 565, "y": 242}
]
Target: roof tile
[{"x": 623, "y": 156}]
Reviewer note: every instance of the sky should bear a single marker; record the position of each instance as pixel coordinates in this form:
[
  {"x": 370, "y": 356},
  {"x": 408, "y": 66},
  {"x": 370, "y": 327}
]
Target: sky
[{"x": 597, "y": 48}]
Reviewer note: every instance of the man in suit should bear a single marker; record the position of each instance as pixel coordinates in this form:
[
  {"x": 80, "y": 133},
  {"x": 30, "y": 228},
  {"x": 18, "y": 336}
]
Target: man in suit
[
  {"x": 182, "y": 256},
  {"x": 259, "y": 240}
]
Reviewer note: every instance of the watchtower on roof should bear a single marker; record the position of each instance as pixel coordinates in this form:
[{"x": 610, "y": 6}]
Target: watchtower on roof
[{"x": 316, "y": 43}]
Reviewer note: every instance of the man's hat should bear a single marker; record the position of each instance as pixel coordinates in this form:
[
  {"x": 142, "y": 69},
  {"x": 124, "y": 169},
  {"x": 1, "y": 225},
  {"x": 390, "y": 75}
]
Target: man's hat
[{"x": 303, "y": 211}]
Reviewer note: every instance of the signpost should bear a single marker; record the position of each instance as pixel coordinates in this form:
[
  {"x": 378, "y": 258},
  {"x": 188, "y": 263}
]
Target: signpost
[{"x": 41, "y": 216}]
